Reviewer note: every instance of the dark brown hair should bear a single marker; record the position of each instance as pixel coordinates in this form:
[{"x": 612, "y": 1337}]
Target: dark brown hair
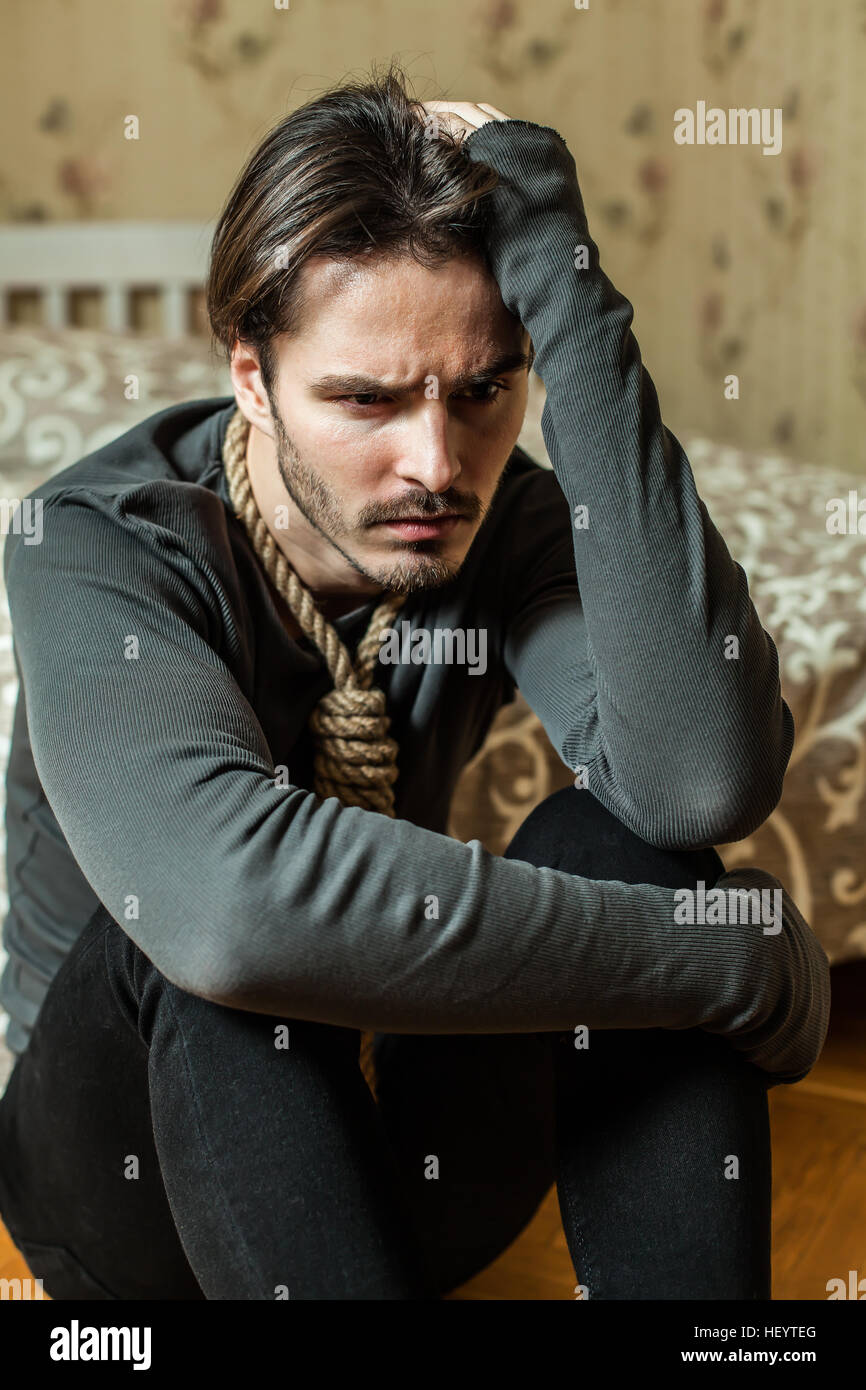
[{"x": 352, "y": 170}]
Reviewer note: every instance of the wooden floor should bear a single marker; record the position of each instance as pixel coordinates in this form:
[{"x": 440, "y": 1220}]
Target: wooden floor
[{"x": 819, "y": 1181}]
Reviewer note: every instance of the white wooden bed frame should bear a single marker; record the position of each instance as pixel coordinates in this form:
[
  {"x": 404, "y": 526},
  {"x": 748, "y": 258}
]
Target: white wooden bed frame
[{"x": 113, "y": 258}]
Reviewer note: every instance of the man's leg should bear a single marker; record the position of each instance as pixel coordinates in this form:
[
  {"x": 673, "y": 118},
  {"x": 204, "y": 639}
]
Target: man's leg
[
  {"x": 80, "y": 1189},
  {"x": 154, "y": 1145},
  {"x": 663, "y": 1141},
  {"x": 470, "y": 1118},
  {"x": 640, "y": 1130}
]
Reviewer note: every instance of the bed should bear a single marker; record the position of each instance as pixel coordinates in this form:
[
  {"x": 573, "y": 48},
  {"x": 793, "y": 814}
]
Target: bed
[{"x": 66, "y": 390}]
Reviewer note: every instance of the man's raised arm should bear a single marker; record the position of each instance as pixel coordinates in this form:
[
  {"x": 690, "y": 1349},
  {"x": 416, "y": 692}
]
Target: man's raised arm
[{"x": 657, "y": 677}]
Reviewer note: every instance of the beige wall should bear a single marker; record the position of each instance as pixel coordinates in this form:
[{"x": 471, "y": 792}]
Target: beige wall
[{"x": 734, "y": 261}]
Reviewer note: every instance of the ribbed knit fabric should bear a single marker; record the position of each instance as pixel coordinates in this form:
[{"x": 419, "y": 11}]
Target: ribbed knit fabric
[
  {"x": 355, "y": 759},
  {"x": 160, "y": 694}
]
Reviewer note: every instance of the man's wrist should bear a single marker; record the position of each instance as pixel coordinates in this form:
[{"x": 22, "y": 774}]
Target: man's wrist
[{"x": 538, "y": 221}]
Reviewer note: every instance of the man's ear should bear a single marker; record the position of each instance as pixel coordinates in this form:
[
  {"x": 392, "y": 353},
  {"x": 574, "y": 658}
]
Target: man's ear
[{"x": 249, "y": 387}]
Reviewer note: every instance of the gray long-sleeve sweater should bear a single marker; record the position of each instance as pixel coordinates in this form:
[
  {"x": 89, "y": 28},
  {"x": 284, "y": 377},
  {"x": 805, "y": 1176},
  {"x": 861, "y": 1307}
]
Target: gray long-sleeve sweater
[{"x": 150, "y": 776}]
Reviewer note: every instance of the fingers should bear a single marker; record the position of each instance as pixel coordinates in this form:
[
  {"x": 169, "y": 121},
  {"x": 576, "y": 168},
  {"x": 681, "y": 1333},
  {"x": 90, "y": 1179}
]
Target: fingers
[
  {"x": 494, "y": 111},
  {"x": 473, "y": 113},
  {"x": 466, "y": 110}
]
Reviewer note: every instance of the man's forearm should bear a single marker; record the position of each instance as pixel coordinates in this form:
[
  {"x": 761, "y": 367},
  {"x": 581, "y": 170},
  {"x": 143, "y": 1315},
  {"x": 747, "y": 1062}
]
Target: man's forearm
[{"x": 400, "y": 929}]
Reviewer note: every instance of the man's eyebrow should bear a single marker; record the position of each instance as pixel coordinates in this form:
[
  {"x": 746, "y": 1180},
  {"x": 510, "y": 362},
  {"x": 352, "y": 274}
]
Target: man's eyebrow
[{"x": 359, "y": 383}]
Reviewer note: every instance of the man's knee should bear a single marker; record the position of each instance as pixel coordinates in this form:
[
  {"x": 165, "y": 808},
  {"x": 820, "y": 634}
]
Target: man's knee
[
  {"x": 571, "y": 830},
  {"x": 153, "y": 1006}
]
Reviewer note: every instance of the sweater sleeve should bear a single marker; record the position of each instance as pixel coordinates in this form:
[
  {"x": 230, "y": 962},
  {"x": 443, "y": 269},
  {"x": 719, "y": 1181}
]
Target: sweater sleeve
[
  {"x": 652, "y": 673},
  {"x": 264, "y": 897}
]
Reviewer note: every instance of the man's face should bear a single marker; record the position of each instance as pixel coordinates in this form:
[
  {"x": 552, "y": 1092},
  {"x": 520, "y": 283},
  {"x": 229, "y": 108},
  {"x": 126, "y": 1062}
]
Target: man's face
[{"x": 401, "y": 396}]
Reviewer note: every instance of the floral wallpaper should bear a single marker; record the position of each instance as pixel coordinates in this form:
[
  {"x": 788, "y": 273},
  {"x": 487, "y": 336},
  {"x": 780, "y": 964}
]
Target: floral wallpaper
[{"x": 737, "y": 264}]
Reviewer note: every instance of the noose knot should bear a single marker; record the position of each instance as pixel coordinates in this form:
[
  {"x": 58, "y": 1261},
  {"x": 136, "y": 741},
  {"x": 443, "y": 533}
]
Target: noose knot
[{"x": 355, "y": 758}]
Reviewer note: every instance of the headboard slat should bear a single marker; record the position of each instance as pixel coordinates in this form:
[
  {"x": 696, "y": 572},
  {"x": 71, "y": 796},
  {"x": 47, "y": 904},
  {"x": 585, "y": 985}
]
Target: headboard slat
[
  {"x": 115, "y": 308},
  {"x": 55, "y": 258}
]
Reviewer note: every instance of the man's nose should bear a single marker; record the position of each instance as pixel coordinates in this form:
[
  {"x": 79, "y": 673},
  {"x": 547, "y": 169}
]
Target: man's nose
[{"x": 429, "y": 449}]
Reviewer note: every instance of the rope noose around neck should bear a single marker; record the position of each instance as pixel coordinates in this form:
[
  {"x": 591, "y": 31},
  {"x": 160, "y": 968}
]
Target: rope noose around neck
[{"x": 355, "y": 759}]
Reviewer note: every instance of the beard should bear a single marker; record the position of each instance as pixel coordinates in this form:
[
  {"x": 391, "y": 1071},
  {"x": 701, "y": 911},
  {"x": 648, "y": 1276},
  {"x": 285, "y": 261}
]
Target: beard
[{"x": 420, "y": 568}]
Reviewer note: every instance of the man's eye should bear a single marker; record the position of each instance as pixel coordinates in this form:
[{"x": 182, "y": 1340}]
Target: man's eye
[
  {"x": 496, "y": 386},
  {"x": 364, "y": 399}
]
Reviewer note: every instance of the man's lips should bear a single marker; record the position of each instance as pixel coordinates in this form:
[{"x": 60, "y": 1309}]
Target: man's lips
[{"x": 424, "y": 527}]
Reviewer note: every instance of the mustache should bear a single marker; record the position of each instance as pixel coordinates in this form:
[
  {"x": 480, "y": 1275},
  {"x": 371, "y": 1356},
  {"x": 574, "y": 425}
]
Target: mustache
[{"x": 432, "y": 507}]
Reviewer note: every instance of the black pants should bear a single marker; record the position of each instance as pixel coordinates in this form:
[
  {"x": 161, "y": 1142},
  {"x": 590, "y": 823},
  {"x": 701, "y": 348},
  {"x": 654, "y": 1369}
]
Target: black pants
[{"x": 154, "y": 1145}]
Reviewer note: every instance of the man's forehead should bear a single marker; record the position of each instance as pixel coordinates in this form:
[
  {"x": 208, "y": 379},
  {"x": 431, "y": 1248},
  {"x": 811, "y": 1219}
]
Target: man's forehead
[
  {"x": 332, "y": 276},
  {"x": 465, "y": 312}
]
